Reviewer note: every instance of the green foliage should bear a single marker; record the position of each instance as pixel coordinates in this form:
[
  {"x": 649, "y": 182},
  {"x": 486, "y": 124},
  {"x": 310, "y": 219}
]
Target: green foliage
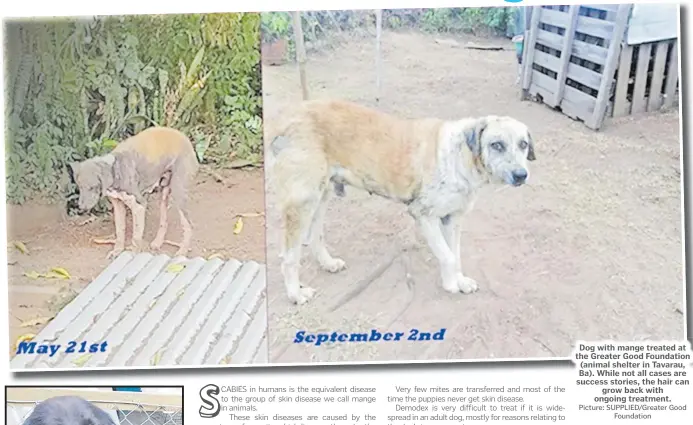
[
  {"x": 317, "y": 25},
  {"x": 275, "y": 25},
  {"x": 475, "y": 20},
  {"x": 75, "y": 86}
]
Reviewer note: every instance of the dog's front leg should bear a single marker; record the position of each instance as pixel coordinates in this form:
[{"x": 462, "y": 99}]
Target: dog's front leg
[
  {"x": 453, "y": 280},
  {"x": 119, "y": 221},
  {"x": 138, "y": 211},
  {"x": 451, "y": 226},
  {"x": 316, "y": 237}
]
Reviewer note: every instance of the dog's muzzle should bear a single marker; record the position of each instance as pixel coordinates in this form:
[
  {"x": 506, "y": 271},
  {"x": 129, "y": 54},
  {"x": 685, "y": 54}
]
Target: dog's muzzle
[{"x": 518, "y": 177}]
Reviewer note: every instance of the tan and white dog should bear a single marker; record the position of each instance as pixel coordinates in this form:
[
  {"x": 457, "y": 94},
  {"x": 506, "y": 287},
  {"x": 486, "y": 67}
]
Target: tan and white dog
[{"x": 433, "y": 166}]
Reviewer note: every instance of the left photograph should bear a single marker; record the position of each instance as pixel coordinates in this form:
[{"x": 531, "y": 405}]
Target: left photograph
[
  {"x": 135, "y": 191},
  {"x": 34, "y": 405}
]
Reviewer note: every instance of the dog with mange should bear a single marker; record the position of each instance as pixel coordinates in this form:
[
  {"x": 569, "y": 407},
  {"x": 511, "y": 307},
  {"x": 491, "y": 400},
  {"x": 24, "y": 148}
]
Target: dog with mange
[
  {"x": 68, "y": 410},
  {"x": 433, "y": 166},
  {"x": 158, "y": 159}
]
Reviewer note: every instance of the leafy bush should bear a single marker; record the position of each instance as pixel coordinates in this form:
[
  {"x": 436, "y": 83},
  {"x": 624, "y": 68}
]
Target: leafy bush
[
  {"x": 76, "y": 86},
  {"x": 275, "y": 25},
  {"x": 475, "y": 20}
]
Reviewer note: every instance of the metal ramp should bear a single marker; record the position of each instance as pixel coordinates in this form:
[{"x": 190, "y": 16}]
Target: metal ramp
[{"x": 154, "y": 310}]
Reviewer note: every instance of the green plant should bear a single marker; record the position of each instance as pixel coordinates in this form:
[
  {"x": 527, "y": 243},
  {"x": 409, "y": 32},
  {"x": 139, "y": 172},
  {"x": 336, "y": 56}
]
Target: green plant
[
  {"x": 438, "y": 20},
  {"x": 394, "y": 22},
  {"x": 494, "y": 20},
  {"x": 319, "y": 25},
  {"x": 75, "y": 86},
  {"x": 275, "y": 25}
]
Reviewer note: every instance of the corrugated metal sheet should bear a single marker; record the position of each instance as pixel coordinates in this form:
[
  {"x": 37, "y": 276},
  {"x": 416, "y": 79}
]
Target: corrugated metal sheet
[{"x": 154, "y": 310}]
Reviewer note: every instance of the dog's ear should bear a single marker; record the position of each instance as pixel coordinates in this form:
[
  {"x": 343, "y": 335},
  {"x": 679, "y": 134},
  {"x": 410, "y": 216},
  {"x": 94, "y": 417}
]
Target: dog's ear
[
  {"x": 530, "y": 149},
  {"x": 473, "y": 135}
]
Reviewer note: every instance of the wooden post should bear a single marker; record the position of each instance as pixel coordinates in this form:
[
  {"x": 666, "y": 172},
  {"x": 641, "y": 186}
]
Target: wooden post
[
  {"x": 529, "y": 45},
  {"x": 300, "y": 52},
  {"x": 655, "y": 98},
  {"x": 378, "y": 59},
  {"x": 612, "y": 58},
  {"x": 640, "y": 87},
  {"x": 524, "y": 93},
  {"x": 621, "y": 104},
  {"x": 672, "y": 77},
  {"x": 566, "y": 52}
]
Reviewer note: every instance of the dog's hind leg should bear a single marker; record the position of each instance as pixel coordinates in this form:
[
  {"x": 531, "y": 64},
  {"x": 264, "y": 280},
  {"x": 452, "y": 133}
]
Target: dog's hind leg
[
  {"x": 179, "y": 198},
  {"x": 317, "y": 239},
  {"x": 163, "y": 219},
  {"x": 184, "y": 246}
]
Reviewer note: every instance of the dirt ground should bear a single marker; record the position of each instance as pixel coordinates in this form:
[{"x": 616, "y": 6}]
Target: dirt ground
[
  {"x": 590, "y": 249},
  {"x": 55, "y": 240}
]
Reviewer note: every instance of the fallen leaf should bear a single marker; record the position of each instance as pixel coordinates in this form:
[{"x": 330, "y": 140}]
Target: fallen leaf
[
  {"x": 62, "y": 272},
  {"x": 226, "y": 360},
  {"x": 81, "y": 360},
  {"x": 35, "y": 322},
  {"x": 213, "y": 256},
  {"x": 23, "y": 338},
  {"x": 21, "y": 247},
  {"x": 175, "y": 268},
  {"x": 33, "y": 275},
  {"x": 156, "y": 359},
  {"x": 53, "y": 275},
  {"x": 238, "y": 227}
]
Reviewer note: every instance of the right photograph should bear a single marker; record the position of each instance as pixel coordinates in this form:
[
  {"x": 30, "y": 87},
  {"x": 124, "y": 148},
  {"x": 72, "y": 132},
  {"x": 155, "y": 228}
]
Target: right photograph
[{"x": 471, "y": 184}]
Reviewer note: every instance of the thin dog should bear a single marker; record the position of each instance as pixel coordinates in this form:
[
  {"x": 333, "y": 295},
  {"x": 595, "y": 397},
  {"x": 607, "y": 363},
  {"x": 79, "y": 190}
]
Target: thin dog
[
  {"x": 433, "y": 166},
  {"x": 157, "y": 159},
  {"x": 68, "y": 410}
]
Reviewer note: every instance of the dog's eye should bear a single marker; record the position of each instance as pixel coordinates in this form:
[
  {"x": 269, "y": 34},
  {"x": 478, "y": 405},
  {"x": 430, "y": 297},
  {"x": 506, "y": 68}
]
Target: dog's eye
[
  {"x": 498, "y": 146},
  {"x": 523, "y": 144}
]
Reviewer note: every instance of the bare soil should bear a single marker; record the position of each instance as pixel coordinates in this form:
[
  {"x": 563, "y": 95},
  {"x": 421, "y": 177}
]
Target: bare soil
[
  {"x": 55, "y": 240},
  {"x": 590, "y": 249}
]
